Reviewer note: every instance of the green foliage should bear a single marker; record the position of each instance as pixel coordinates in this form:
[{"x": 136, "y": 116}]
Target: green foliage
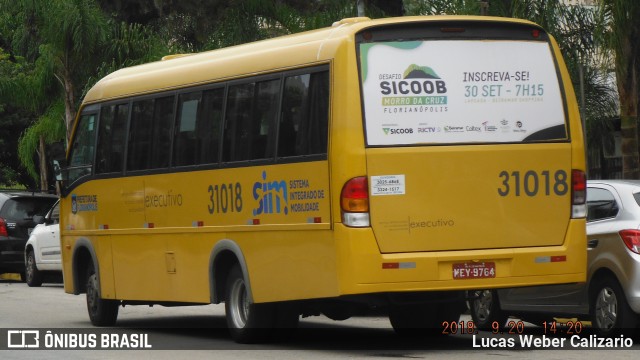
[
  {"x": 49, "y": 126},
  {"x": 442, "y": 7},
  {"x": 620, "y": 33},
  {"x": 11, "y": 185},
  {"x": 60, "y": 48},
  {"x": 13, "y": 120},
  {"x": 126, "y": 45},
  {"x": 76, "y": 28},
  {"x": 12, "y": 123}
]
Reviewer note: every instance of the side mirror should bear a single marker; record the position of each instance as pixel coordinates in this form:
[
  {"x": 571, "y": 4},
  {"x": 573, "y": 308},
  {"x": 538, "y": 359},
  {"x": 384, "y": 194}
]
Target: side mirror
[
  {"x": 57, "y": 170},
  {"x": 57, "y": 153}
]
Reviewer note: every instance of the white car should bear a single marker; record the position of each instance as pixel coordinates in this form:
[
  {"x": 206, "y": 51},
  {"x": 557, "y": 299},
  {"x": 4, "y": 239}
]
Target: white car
[{"x": 42, "y": 252}]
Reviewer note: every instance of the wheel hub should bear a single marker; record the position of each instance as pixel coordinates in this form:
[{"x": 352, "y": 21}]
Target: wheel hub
[{"x": 606, "y": 308}]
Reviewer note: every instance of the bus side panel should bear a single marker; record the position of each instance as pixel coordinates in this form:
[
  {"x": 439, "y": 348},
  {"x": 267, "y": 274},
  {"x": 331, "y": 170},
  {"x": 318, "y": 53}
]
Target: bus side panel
[
  {"x": 295, "y": 265},
  {"x": 157, "y": 232},
  {"x": 66, "y": 246},
  {"x": 104, "y": 253}
]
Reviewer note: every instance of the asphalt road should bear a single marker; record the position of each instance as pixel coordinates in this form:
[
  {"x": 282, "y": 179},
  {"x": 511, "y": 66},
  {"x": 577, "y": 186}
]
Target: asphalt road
[{"x": 200, "y": 332}]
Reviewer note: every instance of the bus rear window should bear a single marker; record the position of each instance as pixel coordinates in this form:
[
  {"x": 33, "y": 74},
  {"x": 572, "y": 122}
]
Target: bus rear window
[{"x": 460, "y": 91}]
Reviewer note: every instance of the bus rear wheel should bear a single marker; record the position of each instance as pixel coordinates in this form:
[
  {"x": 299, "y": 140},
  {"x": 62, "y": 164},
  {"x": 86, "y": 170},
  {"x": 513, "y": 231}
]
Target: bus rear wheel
[
  {"x": 102, "y": 312},
  {"x": 247, "y": 322},
  {"x": 485, "y": 310}
]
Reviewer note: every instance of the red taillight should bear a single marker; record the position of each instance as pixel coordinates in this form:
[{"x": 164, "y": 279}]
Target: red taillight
[
  {"x": 579, "y": 187},
  {"x": 578, "y": 194},
  {"x": 3, "y": 228},
  {"x": 631, "y": 239},
  {"x": 354, "y": 201},
  {"x": 355, "y": 195}
]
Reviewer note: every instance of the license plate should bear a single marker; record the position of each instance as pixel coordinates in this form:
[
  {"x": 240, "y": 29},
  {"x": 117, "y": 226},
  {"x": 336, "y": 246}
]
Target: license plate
[{"x": 474, "y": 270}]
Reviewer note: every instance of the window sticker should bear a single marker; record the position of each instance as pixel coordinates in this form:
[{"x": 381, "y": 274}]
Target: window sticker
[
  {"x": 387, "y": 185},
  {"x": 459, "y": 91}
]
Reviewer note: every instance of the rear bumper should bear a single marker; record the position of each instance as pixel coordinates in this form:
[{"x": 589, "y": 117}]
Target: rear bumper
[
  {"x": 11, "y": 260},
  {"x": 363, "y": 270},
  {"x": 12, "y": 254},
  {"x": 629, "y": 276}
]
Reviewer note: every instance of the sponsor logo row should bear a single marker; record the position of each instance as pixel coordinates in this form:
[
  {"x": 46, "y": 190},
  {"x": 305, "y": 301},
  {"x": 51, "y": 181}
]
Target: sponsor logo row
[{"x": 504, "y": 126}]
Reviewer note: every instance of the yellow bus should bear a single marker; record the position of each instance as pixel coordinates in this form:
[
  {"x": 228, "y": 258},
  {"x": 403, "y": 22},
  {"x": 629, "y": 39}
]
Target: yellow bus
[{"x": 386, "y": 164}]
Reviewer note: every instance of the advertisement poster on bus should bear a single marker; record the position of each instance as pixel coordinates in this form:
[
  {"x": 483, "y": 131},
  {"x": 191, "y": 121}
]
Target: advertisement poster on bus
[{"x": 457, "y": 91}]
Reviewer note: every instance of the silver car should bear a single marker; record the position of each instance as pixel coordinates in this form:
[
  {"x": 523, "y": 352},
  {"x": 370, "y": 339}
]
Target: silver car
[{"x": 610, "y": 298}]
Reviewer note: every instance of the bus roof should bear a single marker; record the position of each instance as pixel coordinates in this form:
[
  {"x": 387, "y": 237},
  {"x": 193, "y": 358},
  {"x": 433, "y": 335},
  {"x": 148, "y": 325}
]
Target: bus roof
[{"x": 306, "y": 48}]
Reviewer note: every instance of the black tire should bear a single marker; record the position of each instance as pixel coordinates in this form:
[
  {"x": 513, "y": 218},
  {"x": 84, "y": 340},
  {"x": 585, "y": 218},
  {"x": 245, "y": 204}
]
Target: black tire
[
  {"x": 609, "y": 310},
  {"x": 102, "y": 312},
  {"x": 33, "y": 276},
  {"x": 485, "y": 309},
  {"x": 247, "y": 322}
]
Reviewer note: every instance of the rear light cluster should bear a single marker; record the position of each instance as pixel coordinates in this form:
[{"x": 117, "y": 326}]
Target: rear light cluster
[
  {"x": 631, "y": 239},
  {"x": 578, "y": 194},
  {"x": 354, "y": 202},
  {"x": 3, "y": 228}
]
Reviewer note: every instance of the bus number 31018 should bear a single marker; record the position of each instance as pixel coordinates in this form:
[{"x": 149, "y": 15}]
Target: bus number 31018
[
  {"x": 532, "y": 183},
  {"x": 225, "y": 198}
]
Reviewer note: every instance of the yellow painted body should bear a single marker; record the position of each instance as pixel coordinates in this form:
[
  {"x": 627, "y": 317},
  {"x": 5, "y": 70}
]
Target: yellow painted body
[{"x": 153, "y": 235}]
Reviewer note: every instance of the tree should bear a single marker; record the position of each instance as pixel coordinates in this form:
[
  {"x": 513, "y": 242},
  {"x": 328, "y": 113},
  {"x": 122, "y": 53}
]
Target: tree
[
  {"x": 587, "y": 62},
  {"x": 442, "y": 7},
  {"x": 71, "y": 44},
  {"x": 13, "y": 121},
  {"x": 67, "y": 34},
  {"x": 621, "y": 33}
]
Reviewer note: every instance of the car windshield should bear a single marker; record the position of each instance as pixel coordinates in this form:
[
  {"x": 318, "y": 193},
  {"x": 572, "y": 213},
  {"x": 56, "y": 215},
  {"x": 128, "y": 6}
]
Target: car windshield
[{"x": 24, "y": 208}]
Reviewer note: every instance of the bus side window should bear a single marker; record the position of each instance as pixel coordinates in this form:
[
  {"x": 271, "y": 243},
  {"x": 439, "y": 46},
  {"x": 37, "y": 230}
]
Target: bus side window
[
  {"x": 239, "y": 103},
  {"x": 150, "y": 134},
  {"x": 139, "y": 147},
  {"x": 304, "y": 118},
  {"x": 250, "y": 121},
  {"x": 185, "y": 139},
  {"x": 111, "y": 137},
  {"x": 208, "y": 126},
  {"x": 265, "y": 115},
  {"x": 161, "y": 139},
  {"x": 317, "y": 115},
  {"x": 197, "y": 134},
  {"x": 82, "y": 150}
]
